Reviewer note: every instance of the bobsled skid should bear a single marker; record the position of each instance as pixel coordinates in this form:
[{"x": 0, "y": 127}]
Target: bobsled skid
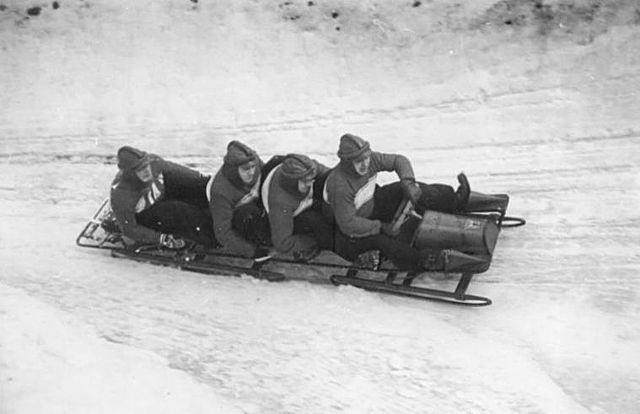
[{"x": 467, "y": 241}]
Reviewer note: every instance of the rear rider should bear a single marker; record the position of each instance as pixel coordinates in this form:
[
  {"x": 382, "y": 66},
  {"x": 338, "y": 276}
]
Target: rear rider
[{"x": 158, "y": 202}]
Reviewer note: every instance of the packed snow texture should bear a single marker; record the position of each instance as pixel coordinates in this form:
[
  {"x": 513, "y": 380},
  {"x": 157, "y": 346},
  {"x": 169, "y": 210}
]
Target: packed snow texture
[{"x": 537, "y": 99}]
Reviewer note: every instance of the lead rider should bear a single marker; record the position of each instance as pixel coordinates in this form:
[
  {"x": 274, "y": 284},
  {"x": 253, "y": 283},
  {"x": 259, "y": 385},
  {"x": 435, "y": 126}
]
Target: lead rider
[{"x": 363, "y": 210}]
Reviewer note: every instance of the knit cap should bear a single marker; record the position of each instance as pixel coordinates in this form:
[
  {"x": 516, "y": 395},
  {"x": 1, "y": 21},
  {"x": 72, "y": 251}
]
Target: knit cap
[
  {"x": 352, "y": 146},
  {"x": 238, "y": 154},
  {"x": 298, "y": 166},
  {"x": 130, "y": 158}
]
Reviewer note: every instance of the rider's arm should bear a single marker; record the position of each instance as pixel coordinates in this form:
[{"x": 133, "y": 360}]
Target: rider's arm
[{"x": 393, "y": 162}]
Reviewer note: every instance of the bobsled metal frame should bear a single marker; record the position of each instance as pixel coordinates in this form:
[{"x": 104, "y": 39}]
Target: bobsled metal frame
[
  {"x": 395, "y": 283},
  {"x": 405, "y": 288}
]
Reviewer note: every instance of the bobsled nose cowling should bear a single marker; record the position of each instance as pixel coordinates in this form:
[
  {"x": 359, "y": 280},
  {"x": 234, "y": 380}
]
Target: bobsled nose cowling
[{"x": 472, "y": 239}]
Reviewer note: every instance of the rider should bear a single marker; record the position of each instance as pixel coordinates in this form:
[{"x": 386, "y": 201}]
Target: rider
[
  {"x": 240, "y": 224},
  {"x": 298, "y": 226},
  {"x": 363, "y": 211},
  {"x": 160, "y": 202}
]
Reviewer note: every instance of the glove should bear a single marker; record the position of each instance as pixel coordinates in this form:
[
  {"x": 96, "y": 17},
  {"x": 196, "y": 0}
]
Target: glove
[
  {"x": 387, "y": 228},
  {"x": 411, "y": 190},
  {"x": 171, "y": 242}
]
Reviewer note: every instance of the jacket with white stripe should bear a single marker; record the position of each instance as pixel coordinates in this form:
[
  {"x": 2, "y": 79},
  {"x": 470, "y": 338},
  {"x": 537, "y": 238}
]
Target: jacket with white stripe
[
  {"x": 225, "y": 196},
  {"x": 349, "y": 195},
  {"x": 283, "y": 202},
  {"x": 130, "y": 196}
]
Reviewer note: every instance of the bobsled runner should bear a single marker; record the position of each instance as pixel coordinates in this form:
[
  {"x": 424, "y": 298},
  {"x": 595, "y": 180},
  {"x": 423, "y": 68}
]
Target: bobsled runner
[{"x": 466, "y": 241}]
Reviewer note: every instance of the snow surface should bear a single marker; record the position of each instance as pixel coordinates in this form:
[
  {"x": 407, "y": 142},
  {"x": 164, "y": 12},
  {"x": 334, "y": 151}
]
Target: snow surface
[{"x": 539, "y": 102}]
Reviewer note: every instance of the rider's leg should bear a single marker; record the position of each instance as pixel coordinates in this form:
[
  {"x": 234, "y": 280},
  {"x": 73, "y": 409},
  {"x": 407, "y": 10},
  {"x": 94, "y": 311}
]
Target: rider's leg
[
  {"x": 401, "y": 255},
  {"x": 435, "y": 197},
  {"x": 386, "y": 201},
  {"x": 315, "y": 224},
  {"x": 191, "y": 189},
  {"x": 252, "y": 223},
  {"x": 180, "y": 219}
]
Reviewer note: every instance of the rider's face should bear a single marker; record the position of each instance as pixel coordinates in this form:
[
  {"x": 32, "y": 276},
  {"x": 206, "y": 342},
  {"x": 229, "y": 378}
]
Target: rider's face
[
  {"x": 247, "y": 171},
  {"x": 305, "y": 185},
  {"x": 361, "y": 164},
  {"x": 144, "y": 173}
]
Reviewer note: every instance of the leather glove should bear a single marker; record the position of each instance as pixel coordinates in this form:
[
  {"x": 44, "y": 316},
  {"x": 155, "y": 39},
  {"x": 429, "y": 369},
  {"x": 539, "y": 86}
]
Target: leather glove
[
  {"x": 387, "y": 228},
  {"x": 171, "y": 242},
  {"x": 411, "y": 190}
]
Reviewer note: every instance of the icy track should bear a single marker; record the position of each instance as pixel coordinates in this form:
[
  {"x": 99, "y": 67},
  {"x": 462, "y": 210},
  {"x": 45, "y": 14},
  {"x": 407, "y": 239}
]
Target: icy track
[{"x": 545, "y": 110}]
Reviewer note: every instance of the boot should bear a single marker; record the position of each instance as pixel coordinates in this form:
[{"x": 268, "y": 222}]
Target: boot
[{"x": 462, "y": 193}]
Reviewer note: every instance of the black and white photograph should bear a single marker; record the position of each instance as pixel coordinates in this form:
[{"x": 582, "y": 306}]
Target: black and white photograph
[{"x": 320, "y": 206}]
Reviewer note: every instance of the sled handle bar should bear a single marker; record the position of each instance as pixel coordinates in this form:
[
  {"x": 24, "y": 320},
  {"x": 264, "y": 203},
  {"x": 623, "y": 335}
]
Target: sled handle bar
[{"x": 402, "y": 214}]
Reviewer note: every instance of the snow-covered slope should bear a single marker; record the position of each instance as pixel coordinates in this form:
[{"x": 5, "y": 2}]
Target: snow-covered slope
[
  {"x": 119, "y": 71},
  {"x": 50, "y": 364},
  {"x": 534, "y": 98}
]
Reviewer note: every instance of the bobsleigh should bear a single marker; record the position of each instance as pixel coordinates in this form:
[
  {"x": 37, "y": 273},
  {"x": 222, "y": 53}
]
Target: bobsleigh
[{"x": 468, "y": 241}]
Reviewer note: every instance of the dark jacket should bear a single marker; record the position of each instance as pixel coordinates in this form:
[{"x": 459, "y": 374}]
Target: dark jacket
[
  {"x": 283, "y": 202},
  {"x": 130, "y": 196},
  {"x": 227, "y": 193},
  {"x": 350, "y": 196}
]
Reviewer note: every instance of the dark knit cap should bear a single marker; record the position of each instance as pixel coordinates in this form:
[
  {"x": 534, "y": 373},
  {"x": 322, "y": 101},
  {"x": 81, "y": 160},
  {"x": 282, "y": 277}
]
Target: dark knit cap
[
  {"x": 298, "y": 166},
  {"x": 238, "y": 154},
  {"x": 130, "y": 158},
  {"x": 352, "y": 146}
]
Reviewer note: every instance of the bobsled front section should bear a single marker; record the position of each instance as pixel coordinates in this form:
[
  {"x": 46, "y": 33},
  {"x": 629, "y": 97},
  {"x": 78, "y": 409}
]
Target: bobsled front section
[{"x": 468, "y": 239}]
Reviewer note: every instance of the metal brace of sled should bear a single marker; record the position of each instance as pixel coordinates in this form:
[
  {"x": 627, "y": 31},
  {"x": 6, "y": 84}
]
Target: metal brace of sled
[{"x": 404, "y": 288}]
